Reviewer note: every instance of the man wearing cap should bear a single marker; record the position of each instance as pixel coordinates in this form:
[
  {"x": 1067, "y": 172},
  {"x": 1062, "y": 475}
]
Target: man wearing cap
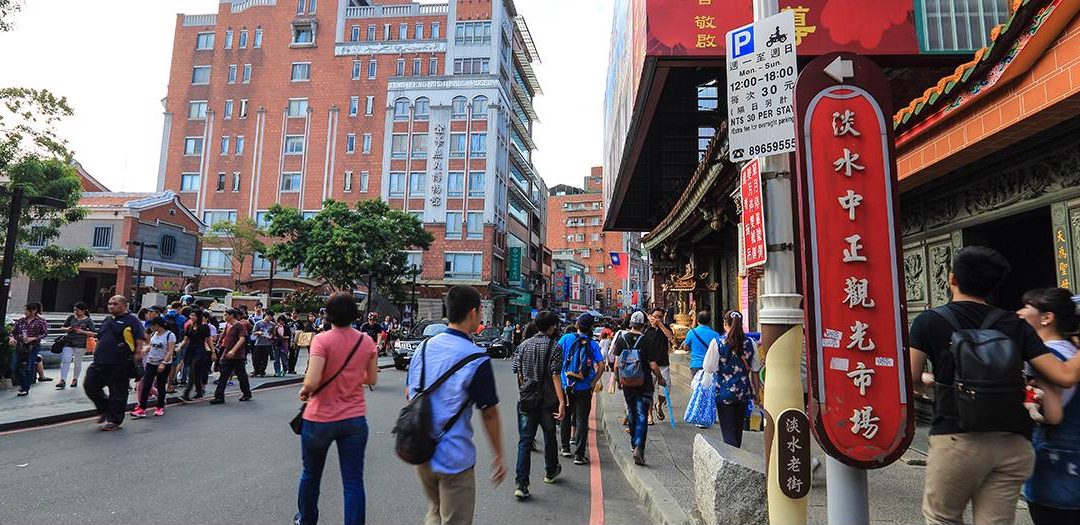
[
  {"x": 579, "y": 348},
  {"x": 638, "y": 398}
]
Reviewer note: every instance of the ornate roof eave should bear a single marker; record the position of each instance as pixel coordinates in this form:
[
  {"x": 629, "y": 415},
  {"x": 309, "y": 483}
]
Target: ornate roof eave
[
  {"x": 709, "y": 171},
  {"x": 1013, "y": 49}
]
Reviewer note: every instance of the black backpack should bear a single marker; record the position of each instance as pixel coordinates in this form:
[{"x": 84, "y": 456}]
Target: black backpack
[
  {"x": 413, "y": 440},
  {"x": 988, "y": 383}
]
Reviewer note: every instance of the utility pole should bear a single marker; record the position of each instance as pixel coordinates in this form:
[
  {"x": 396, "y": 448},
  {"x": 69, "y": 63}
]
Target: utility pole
[
  {"x": 270, "y": 285},
  {"x": 781, "y": 315},
  {"x": 138, "y": 271}
]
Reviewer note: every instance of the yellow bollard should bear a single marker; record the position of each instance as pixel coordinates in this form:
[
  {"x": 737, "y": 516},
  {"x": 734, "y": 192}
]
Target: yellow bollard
[{"x": 783, "y": 386}]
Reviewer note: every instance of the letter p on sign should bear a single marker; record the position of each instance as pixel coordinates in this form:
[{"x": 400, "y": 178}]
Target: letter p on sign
[{"x": 742, "y": 41}]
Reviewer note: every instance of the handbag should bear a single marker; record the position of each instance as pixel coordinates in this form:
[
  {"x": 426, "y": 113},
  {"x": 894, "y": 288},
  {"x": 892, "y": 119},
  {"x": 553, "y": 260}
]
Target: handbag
[
  {"x": 297, "y": 422},
  {"x": 91, "y": 344},
  {"x": 59, "y": 344},
  {"x": 701, "y": 409}
]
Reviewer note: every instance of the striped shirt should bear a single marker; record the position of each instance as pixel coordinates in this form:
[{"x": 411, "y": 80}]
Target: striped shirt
[{"x": 529, "y": 355}]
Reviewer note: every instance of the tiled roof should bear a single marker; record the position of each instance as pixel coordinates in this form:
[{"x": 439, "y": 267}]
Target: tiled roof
[
  {"x": 111, "y": 200},
  {"x": 970, "y": 78}
]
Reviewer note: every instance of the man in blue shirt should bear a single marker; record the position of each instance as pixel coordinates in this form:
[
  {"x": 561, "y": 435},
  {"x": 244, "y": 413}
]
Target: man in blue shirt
[
  {"x": 448, "y": 479},
  {"x": 579, "y": 391},
  {"x": 697, "y": 341}
]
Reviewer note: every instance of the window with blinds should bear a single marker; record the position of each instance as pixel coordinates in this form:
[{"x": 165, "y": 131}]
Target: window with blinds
[{"x": 947, "y": 26}]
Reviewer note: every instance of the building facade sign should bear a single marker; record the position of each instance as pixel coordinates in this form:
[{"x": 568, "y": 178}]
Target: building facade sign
[
  {"x": 513, "y": 266},
  {"x": 855, "y": 305},
  {"x": 755, "y": 251}
]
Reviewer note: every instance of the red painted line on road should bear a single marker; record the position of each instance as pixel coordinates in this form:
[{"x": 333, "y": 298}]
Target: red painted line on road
[
  {"x": 83, "y": 420},
  {"x": 596, "y": 480}
]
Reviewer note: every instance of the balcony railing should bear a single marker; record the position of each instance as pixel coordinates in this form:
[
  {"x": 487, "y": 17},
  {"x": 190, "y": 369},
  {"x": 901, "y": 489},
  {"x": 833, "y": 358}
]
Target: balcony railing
[
  {"x": 244, "y": 4},
  {"x": 376, "y": 11},
  {"x": 199, "y": 20}
]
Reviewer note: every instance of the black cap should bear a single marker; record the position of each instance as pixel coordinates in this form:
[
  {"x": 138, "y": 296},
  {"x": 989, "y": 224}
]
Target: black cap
[{"x": 585, "y": 321}]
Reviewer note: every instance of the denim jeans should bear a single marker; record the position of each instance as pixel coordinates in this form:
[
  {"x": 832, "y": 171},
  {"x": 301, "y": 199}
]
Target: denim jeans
[
  {"x": 28, "y": 370},
  {"x": 351, "y": 436},
  {"x": 281, "y": 359},
  {"x": 637, "y": 414},
  {"x": 527, "y": 423}
]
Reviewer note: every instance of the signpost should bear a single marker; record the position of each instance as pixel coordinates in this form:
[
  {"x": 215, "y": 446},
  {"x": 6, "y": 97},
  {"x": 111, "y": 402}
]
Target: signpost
[
  {"x": 855, "y": 315},
  {"x": 793, "y": 460},
  {"x": 761, "y": 72},
  {"x": 755, "y": 252}
]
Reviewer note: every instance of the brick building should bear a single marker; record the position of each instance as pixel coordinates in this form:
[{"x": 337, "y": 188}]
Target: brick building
[
  {"x": 576, "y": 233},
  {"x": 427, "y": 106},
  {"x": 113, "y": 221}
]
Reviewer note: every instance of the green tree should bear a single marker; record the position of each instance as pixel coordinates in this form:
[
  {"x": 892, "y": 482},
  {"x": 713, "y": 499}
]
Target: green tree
[
  {"x": 341, "y": 246},
  {"x": 243, "y": 237}
]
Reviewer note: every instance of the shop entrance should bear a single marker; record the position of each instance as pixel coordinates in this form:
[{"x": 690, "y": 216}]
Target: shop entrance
[{"x": 1025, "y": 240}]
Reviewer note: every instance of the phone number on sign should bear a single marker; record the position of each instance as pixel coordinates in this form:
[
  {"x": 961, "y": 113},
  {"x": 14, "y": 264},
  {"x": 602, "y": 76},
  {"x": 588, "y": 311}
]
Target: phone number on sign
[{"x": 771, "y": 147}]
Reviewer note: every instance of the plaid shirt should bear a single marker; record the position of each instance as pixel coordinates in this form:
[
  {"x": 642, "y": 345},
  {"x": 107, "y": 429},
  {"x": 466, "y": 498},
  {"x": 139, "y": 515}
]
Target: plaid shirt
[
  {"x": 35, "y": 328},
  {"x": 529, "y": 354}
]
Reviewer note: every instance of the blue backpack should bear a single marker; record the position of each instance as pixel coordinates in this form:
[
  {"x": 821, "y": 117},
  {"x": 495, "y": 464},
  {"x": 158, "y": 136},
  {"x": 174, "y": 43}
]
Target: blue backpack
[
  {"x": 631, "y": 369},
  {"x": 578, "y": 361}
]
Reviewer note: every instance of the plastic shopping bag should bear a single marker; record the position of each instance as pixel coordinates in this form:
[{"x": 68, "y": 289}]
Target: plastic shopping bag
[{"x": 701, "y": 409}]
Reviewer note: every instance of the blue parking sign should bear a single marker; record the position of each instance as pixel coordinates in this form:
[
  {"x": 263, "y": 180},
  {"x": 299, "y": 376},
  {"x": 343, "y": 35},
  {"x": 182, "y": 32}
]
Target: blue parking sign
[{"x": 742, "y": 41}]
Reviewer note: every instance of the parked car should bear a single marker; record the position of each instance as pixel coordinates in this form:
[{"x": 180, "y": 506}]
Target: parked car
[
  {"x": 491, "y": 341},
  {"x": 405, "y": 347}
]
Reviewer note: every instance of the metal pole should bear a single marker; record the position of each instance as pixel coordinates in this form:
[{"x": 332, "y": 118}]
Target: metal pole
[
  {"x": 10, "y": 242},
  {"x": 270, "y": 285},
  {"x": 848, "y": 497},
  {"x": 138, "y": 275},
  {"x": 370, "y": 297},
  {"x": 780, "y": 316},
  {"x": 415, "y": 273}
]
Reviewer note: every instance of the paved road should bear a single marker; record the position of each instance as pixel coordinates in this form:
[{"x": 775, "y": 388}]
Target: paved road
[{"x": 239, "y": 463}]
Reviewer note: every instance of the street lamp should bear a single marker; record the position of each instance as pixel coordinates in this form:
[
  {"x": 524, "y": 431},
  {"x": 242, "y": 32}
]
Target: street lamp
[
  {"x": 138, "y": 272},
  {"x": 18, "y": 194},
  {"x": 415, "y": 271}
]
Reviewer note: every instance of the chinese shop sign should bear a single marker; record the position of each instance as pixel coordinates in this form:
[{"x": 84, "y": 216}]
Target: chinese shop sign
[
  {"x": 437, "y": 166},
  {"x": 793, "y": 438},
  {"x": 513, "y": 266},
  {"x": 855, "y": 305},
  {"x": 754, "y": 247}
]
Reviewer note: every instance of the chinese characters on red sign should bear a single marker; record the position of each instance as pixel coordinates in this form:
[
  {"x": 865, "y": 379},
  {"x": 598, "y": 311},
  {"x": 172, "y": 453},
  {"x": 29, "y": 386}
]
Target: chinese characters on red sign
[
  {"x": 754, "y": 247},
  {"x": 855, "y": 318}
]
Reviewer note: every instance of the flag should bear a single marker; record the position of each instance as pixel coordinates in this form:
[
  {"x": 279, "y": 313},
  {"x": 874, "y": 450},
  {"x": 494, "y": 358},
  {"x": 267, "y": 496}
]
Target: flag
[{"x": 618, "y": 263}]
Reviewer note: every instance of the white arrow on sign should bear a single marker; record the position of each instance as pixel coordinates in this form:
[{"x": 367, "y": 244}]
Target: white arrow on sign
[{"x": 840, "y": 69}]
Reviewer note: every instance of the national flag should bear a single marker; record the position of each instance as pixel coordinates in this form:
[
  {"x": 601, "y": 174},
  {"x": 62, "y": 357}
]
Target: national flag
[{"x": 618, "y": 263}]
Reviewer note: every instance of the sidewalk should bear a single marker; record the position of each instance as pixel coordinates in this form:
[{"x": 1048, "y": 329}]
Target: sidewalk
[
  {"x": 895, "y": 491},
  {"x": 46, "y": 405}
]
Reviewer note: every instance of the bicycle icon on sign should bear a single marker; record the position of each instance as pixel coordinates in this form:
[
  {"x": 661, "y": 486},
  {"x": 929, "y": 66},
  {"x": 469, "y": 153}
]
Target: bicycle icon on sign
[{"x": 776, "y": 38}]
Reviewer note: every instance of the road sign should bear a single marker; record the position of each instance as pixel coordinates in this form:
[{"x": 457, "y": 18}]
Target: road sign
[
  {"x": 761, "y": 72},
  {"x": 753, "y": 221},
  {"x": 856, "y": 333}
]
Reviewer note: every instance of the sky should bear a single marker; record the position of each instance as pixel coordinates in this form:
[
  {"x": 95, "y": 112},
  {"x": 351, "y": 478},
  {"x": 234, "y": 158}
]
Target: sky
[{"x": 110, "y": 58}]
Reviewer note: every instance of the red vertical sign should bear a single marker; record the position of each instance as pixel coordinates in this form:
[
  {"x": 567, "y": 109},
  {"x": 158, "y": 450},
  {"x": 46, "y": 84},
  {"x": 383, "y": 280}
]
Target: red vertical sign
[
  {"x": 755, "y": 252},
  {"x": 855, "y": 307}
]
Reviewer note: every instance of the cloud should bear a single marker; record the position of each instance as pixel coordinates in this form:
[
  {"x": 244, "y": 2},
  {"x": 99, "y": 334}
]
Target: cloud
[{"x": 112, "y": 59}]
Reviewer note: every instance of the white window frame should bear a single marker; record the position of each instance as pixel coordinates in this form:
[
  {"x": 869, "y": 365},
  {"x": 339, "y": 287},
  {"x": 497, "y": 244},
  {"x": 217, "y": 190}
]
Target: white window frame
[
  {"x": 258, "y": 40},
  {"x": 106, "y": 236},
  {"x": 243, "y": 108},
  {"x": 201, "y": 41},
  {"x": 193, "y": 151},
  {"x": 354, "y": 34},
  {"x": 350, "y": 143},
  {"x": 222, "y": 178},
  {"x": 224, "y": 145},
  {"x": 396, "y": 176},
  {"x": 197, "y": 109},
  {"x": 451, "y": 274},
  {"x": 457, "y": 177},
  {"x": 364, "y": 176},
  {"x": 297, "y": 108},
  {"x": 232, "y": 74},
  {"x": 247, "y": 74},
  {"x": 372, "y": 69},
  {"x": 242, "y": 42},
  {"x": 420, "y": 189},
  {"x": 190, "y": 187},
  {"x": 306, "y": 77},
  {"x": 228, "y": 109},
  {"x": 226, "y": 259},
  {"x": 194, "y": 69},
  {"x": 239, "y": 149},
  {"x": 366, "y": 144},
  {"x": 354, "y": 106},
  {"x": 228, "y": 39},
  {"x": 455, "y": 228},
  {"x": 403, "y": 138},
  {"x": 369, "y": 106},
  {"x": 479, "y": 230},
  {"x": 356, "y": 69},
  {"x": 291, "y": 147},
  {"x": 290, "y": 176},
  {"x": 236, "y": 181},
  {"x": 347, "y": 182}
]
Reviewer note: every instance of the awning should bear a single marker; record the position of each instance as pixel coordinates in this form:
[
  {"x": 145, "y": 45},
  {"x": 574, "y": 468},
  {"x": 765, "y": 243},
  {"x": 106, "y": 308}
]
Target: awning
[
  {"x": 595, "y": 314},
  {"x": 499, "y": 291}
]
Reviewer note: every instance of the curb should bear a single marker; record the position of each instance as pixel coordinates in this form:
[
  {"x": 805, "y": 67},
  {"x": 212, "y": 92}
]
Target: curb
[
  {"x": 83, "y": 414},
  {"x": 662, "y": 507}
]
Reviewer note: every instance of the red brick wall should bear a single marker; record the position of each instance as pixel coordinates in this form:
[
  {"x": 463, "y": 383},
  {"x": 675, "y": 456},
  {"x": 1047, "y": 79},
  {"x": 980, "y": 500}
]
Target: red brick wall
[
  {"x": 1045, "y": 96},
  {"x": 557, "y": 230}
]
